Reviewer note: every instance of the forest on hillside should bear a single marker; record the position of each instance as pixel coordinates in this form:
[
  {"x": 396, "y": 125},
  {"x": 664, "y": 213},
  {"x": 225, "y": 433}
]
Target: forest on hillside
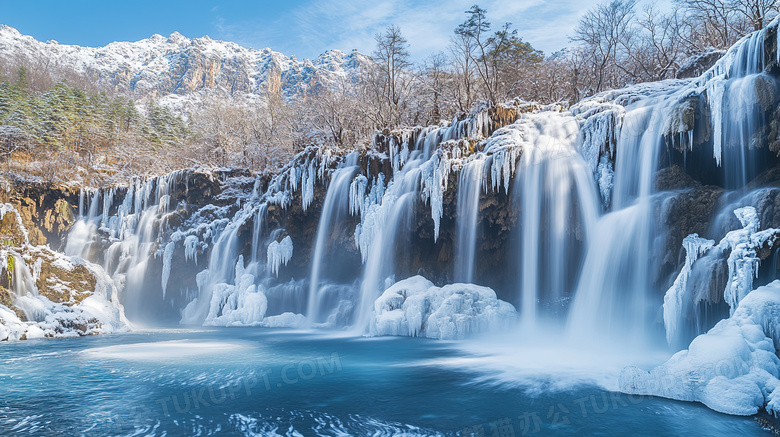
[{"x": 57, "y": 125}]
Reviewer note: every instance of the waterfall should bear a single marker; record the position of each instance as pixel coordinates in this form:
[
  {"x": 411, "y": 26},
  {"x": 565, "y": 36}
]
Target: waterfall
[
  {"x": 553, "y": 191},
  {"x": 387, "y": 222},
  {"x": 613, "y": 290},
  {"x": 24, "y": 290},
  {"x": 571, "y": 192},
  {"x": 470, "y": 183},
  {"x": 334, "y": 208},
  {"x": 221, "y": 268}
]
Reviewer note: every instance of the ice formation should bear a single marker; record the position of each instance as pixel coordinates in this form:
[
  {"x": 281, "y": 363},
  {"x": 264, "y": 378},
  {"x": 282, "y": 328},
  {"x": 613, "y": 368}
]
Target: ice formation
[
  {"x": 237, "y": 304},
  {"x": 742, "y": 261},
  {"x": 279, "y": 252},
  {"x": 415, "y": 307},
  {"x": 191, "y": 248},
  {"x": 694, "y": 246},
  {"x": 167, "y": 261},
  {"x": 733, "y": 368}
]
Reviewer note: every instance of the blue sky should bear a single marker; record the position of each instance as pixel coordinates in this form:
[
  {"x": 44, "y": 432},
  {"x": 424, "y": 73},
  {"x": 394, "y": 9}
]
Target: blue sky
[{"x": 304, "y": 28}]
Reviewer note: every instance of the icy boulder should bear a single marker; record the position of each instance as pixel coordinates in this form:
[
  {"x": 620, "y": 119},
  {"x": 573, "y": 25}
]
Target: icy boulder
[
  {"x": 415, "y": 307},
  {"x": 732, "y": 369},
  {"x": 285, "y": 320}
]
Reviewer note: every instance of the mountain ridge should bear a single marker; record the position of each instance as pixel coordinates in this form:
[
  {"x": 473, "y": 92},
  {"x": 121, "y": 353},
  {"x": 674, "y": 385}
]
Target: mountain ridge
[{"x": 158, "y": 66}]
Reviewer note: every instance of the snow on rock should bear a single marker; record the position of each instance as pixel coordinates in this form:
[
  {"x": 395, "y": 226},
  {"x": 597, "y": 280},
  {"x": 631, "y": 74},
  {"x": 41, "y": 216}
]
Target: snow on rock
[
  {"x": 7, "y": 208},
  {"x": 237, "y": 304},
  {"x": 415, "y": 307},
  {"x": 732, "y": 369},
  {"x": 278, "y": 253},
  {"x": 505, "y": 148},
  {"x": 175, "y": 64},
  {"x": 52, "y": 306}
]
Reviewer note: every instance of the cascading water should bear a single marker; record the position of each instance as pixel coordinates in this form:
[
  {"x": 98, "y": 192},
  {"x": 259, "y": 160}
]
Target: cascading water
[
  {"x": 470, "y": 183},
  {"x": 613, "y": 291},
  {"x": 221, "y": 269},
  {"x": 391, "y": 218},
  {"x": 333, "y": 210},
  {"x": 557, "y": 169},
  {"x": 553, "y": 189}
]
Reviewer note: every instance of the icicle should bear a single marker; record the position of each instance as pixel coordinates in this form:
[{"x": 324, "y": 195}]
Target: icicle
[
  {"x": 357, "y": 194},
  {"x": 279, "y": 253},
  {"x": 715, "y": 93},
  {"x": 695, "y": 246},
  {"x": 308, "y": 177},
  {"x": 167, "y": 261},
  {"x": 433, "y": 184},
  {"x": 191, "y": 248}
]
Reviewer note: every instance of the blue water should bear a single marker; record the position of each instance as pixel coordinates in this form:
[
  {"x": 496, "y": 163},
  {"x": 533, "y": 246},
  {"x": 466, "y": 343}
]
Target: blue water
[{"x": 242, "y": 381}]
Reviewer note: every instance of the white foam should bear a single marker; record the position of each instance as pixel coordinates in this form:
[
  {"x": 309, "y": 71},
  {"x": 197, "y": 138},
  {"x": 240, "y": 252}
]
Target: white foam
[{"x": 164, "y": 350}]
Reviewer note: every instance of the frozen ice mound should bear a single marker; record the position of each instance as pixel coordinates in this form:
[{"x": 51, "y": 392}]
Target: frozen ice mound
[
  {"x": 732, "y": 369},
  {"x": 415, "y": 307}
]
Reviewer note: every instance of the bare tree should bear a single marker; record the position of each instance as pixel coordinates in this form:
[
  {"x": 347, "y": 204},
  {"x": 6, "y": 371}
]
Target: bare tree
[
  {"x": 474, "y": 32},
  {"x": 756, "y": 13},
  {"x": 660, "y": 46},
  {"x": 710, "y": 24},
  {"x": 605, "y": 32},
  {"x": 437, "y": 88},
  {"x": 463, "y": 65},
  {"x": 392, "y": 58}
]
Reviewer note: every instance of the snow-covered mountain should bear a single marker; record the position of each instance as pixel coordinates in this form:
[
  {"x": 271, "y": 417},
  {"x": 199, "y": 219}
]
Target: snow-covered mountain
[{"x": 158, "y": 66}]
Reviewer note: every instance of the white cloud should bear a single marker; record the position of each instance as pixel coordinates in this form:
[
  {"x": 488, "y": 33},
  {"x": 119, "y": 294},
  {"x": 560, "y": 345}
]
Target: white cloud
[{"x": 313, "y": 27}]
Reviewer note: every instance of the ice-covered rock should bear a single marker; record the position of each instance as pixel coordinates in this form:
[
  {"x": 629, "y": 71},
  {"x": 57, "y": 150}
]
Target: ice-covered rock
[
  {"x": 732, "y": 369},
  {"x": 743, "y": 263},
  {"x": 415, "y": 307},
  {"x": 60, "y": 296},
  {"x": 285, "y": 320}
]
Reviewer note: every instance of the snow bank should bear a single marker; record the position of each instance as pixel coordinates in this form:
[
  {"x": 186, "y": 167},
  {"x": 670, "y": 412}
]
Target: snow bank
[
  {"x": 732, "y": 369},
  {"x": 415, "y": 307}
]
